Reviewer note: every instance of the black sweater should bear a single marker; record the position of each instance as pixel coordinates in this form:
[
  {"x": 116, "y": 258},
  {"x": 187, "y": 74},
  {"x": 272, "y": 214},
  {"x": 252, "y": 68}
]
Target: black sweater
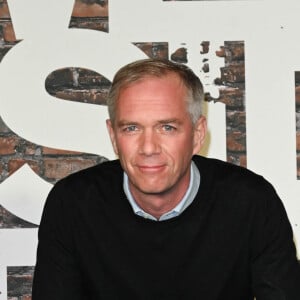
[{"x": 233, "y": 242}]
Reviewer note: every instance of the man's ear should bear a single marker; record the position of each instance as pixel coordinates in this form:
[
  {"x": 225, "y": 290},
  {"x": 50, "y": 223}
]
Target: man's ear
[
  {"x": 200, "y": 129},
  {"x": 112, "y": 135}
]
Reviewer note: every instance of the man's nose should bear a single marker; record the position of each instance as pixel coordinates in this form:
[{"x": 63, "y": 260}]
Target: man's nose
[{"x": 149, "y": 143}]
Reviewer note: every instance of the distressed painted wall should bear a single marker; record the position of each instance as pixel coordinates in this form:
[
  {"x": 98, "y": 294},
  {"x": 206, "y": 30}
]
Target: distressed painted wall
[{"x": 82, "y": 85}]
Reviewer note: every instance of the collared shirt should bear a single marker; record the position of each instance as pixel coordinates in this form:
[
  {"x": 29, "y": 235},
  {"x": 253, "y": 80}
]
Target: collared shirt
[{"x": 187, "y": 199}]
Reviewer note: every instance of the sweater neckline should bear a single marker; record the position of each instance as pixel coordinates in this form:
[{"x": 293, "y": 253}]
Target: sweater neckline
[{"x": 195, "y": 210}]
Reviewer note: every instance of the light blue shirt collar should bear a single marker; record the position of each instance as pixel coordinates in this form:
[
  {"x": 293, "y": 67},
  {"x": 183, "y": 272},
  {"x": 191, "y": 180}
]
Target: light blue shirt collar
[{"x": 180, "y": 207}]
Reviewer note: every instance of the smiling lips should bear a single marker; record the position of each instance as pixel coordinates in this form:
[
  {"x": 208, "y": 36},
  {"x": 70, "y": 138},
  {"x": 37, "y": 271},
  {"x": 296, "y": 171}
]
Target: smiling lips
[{"x": 151, "y": 168}]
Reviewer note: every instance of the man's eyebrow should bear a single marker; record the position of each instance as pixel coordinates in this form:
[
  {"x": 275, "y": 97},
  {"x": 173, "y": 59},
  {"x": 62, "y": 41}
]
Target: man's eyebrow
[
  {"x": 126, "y": 122},
  {"x": 167, "y": 121}
]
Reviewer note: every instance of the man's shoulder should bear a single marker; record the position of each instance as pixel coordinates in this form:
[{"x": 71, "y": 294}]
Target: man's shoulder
[
  {"x": 237, "y": 188},
  {"x": 103, "y": 174},
  {"x": 222, "y": 172},
  {"x": 86, "y": 189},
  {"x": 220, "y": 166}
]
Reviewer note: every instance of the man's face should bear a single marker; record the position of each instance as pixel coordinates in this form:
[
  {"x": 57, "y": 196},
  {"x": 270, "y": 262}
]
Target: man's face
[{"x": 154, "y": 137}]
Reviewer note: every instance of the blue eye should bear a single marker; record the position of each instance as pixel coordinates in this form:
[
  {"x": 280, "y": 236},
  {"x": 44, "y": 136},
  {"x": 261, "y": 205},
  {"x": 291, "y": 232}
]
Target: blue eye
[
  {"x": 130, "y": 128},
  {"x": 168, "y": 127}
]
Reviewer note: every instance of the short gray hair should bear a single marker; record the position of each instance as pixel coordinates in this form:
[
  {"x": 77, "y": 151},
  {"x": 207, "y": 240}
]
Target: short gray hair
[{"x": 141, "y": 69}]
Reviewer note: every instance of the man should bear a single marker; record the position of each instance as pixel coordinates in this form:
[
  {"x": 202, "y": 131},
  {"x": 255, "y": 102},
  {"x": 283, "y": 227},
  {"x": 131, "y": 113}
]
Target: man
[{"x": 162, "y": 222}]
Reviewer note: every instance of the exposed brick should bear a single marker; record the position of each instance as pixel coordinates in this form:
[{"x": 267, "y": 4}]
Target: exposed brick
[
  {"x": 232, "y": 97},
  {"x": 1, "y": 34},
  {"x": 298, "y": 166},
  {"x": 232, "y": 94},
  {"x": 15, "y": 164},
  {"x": 221, "y": 52},
  {"x": 3, "y": 127},
  {"x": 19, "y": 282},
  {"x": 8, "y": 220},
  {"x": 234, "y": 51},
  {"x": 26, "y": 148},
  {"x": 180, "y": 55},
  {"x": 31, "y": 149},
  {"x": 8, "y": 145},
  {"x": 95, "y": 23},
  {"x": 233, "y": 73},
  {"x": 62, "y": 77},
  {"x": 91, "y": 96},
  {"x": 205, "y": 47},
  {"x": 236, "y": 119},
  {"x": 89, "y": 78},
  {"x": 237, "y": 159},
  {"x": 298, "y": 95},
  {"x": 14, "y": 151},
  {"x": 57, "y": 168},
  {"x": 297, "y": 77},
  {"x": 298, "y": 141},
  {"x": 236, "y": 141},
  {"x": 58, "y": 152},
  {"x": 8, "y": 33},
  {"x": 78, "y": 84},
  {"x": 35, "y": 166},
  {"x": 4, "y": 50},
  {"x": 243, "y": 160},
  {"x": 154, "y": 50},
  {"x": 4, "y": 11},
  {"x": 84, "y": 9},
  {"x": 298, "y": 121}
]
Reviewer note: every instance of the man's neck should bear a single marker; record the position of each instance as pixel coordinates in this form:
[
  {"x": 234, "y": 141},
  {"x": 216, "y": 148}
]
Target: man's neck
[
  {"x": 157, "y": 205},
  {"x": 162, "y": 208}
]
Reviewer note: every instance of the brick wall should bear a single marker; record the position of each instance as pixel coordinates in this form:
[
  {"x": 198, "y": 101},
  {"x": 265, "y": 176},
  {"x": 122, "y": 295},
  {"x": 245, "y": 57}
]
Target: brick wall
[
  {"x": 297, "y": 101},
  {"x": 86, "y": 86},
  {"x": 19, "y": 282},
  {"x": 51, "y": 164},
  {"x": 232, "y": 94},
  {"x": 77, "y": 84}
]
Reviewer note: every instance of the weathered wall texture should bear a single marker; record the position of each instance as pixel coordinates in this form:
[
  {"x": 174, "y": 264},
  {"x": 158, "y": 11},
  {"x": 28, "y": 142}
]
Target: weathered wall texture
[
  {"x": 19, "y": 282},
  {"x": 297, "y": 96},
  {"x": 76, "y": 84},
  {"x": 83, "y": 85},
  {"x": 50, "y": 164}
]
